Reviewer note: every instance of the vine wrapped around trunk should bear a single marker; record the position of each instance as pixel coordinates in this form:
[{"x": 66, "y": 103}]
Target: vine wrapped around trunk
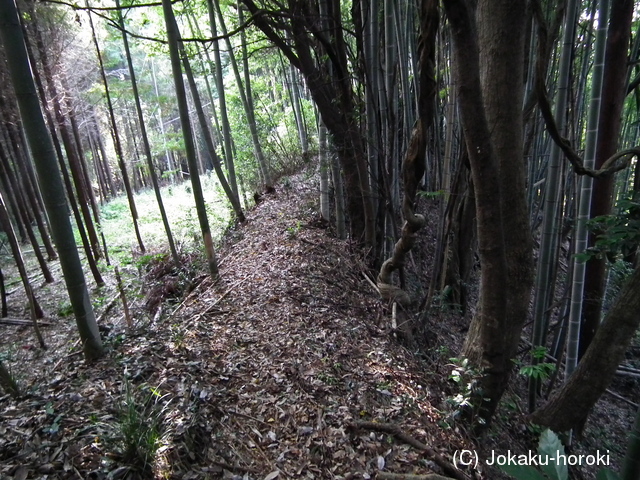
[{"x": 414, "y": 161}]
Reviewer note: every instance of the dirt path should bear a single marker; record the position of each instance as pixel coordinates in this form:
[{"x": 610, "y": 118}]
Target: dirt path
[{"x": 258, "y": 375}]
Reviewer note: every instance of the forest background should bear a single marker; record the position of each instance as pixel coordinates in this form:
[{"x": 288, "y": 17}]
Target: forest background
[{"x": 516, "y": 122}]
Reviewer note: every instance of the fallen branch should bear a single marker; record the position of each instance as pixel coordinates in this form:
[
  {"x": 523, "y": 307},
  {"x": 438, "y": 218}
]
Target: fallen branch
[
  {"x": 371, "y": 282},
  {"x": 394, "y": 430},
  {"x": 621, "y": 398},
  {"x": 108, "y": 308},
  {"x": 195, "y": 292},
  {"x": 20, "y": 321},
  {"x": 229, "y": 290}
]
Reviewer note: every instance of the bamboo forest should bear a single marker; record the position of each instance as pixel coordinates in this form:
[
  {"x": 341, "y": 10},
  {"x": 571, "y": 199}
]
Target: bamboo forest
[{"x": 320, "y": 239}]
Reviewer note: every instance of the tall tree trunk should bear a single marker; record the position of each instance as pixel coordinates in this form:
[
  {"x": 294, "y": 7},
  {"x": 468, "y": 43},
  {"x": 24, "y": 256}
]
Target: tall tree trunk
[
  {"x": 496, "y": 163},
  {"x": 613, "y": 95},
  {"x": 174, "y": 38},
  {"x": 204, "y": 128},
  {"x": 586, "y": 186},
  {"x": 414, "y": 162},
  {"x": 145, "y": 142},
  {"x": 296, "y": 103},
  {"x": 167, "y": 154},
  {"x": 53, "y": 192},
  {"x": 324, "y": 172},
  {"x": 548, "y": 252},
  {"x": 332, "y": 93},
  {"x": 116, "y": 139},
  {"x": 69, "y": 147},
  {"x": 65, "y": 177},
  {"x": 226, "y": 126},
  {"x": 570, "y": 406},
  {"x": 249, "y": 108}
]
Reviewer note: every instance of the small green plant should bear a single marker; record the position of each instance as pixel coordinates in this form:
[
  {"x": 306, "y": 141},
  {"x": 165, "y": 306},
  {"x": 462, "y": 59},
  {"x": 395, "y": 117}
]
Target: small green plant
[
  {"x": 295, "y": 230},
  {"x": 539, "y": 370},
  {"x": 436, "y": 194},
  {"x": 327, "y": 378},
  {"x": 443, "y": 351},
  {"x": 147, "y": 259},
  {"x": 65, "y": 309},
  {"x": 139, "y": 427},
  {"x": 384, "y": 385},
  {"x": 467, "y": 379}
]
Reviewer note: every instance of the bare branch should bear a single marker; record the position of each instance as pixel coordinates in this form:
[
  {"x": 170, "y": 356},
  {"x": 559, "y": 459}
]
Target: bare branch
[
  {"x": 98, "y": 11},
  {"x": 609, "y": 167}
]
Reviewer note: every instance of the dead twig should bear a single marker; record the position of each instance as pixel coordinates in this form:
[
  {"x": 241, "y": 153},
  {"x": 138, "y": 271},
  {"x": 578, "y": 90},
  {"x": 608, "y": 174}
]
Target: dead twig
[
  {"x": 20, "y": 321},
  {"x": 621, "y": 398},
  {"x": 229, "y": 290},
  {"x": 394, "y": 430},
  {"x": 371, "y": 282},
  {"x": 108, "y": 308}
]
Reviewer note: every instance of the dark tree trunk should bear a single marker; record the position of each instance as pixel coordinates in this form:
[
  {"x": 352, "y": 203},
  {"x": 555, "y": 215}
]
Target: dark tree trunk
[
  {"x": 52, "y": 189},
  {"x": 68, "y": 143},
  {"x": 9, "y": 181},
  {"x": 116, "y": 138},
  {"x": 460, "y": 239},
  {"x": 613, "y": 95},
  {"x": 570, "y": 407},
  {"x": 331, "y": 89},
  {"x": 494, "y": 154},
  {"x": 65, "y": 175}
]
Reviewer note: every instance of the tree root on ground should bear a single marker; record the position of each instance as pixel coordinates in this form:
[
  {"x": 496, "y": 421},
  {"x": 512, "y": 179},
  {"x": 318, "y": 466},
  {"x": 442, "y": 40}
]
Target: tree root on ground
[{"x": 394, "y": 430}]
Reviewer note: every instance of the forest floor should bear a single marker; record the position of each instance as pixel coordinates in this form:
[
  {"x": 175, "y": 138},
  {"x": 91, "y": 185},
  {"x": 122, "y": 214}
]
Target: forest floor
[{"x": 285, "y": 367}]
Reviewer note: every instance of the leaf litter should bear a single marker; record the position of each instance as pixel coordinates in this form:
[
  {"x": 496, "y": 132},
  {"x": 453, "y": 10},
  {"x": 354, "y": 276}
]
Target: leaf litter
[{"x": 258, "y": 375}]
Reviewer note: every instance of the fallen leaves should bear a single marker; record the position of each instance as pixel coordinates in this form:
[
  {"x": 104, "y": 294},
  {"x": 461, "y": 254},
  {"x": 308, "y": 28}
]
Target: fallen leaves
[{"x": 261, "y": 372}]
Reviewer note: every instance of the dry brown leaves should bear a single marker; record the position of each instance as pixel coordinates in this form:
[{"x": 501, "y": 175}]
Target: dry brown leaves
[{"x": 255, "y": 376}]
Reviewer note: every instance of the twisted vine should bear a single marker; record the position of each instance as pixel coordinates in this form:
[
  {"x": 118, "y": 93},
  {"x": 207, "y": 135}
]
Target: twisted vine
[{"x": 414, "y": 161}]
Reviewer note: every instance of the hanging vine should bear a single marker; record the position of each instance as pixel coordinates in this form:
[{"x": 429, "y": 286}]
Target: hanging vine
[{"x": 414, "y": 161}]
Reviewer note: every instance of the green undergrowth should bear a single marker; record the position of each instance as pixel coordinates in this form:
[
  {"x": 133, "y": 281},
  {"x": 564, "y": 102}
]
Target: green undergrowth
[{"x": 179, "y": 204}]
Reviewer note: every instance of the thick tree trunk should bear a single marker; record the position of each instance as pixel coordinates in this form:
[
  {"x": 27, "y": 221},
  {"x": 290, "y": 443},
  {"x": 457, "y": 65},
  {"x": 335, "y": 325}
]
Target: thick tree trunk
[
  {"x": 570, "y": 407},
  {"x": 613, "y": 95},
  {"x": 145, "y": 143},
  {"x": 52, "y": 190},
  {"x": 174, "y": 38},
  {"x": 495, "y": 154},
  {"x": 460, "y": 240},
  {"x": 501, "y": 29},
  {"x": 332, "y": 93}
]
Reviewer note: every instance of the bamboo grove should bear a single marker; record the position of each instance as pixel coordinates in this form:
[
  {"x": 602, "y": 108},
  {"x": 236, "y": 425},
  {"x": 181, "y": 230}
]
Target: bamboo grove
[{"x": 515, "y": 122}]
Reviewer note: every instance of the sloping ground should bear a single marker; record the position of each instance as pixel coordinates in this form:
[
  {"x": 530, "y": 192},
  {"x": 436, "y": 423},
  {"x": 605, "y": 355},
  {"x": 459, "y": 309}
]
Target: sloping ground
[{"x": 260, "y": 375}]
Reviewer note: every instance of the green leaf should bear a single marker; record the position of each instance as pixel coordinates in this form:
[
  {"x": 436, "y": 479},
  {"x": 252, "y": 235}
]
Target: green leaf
[
  {"x": 606, "y": 474},
  {"x": 551, "y": 447},
  {"x": 522, "y": 472}
]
